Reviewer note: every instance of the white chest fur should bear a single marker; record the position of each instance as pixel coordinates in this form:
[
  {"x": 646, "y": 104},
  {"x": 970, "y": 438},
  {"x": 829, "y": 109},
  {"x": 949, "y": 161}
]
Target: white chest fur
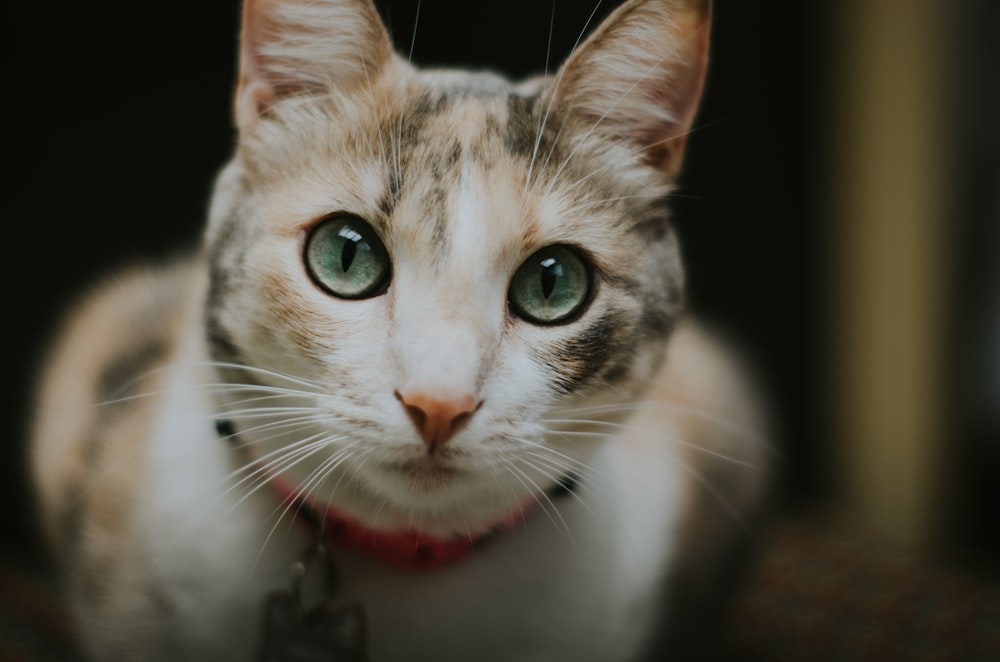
[{"x": 579, "y": 580}]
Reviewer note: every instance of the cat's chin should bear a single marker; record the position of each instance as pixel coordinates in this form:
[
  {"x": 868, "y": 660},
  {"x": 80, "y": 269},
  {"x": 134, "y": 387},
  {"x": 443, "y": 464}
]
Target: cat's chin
[
  {"x": 428, "y": 480},
  {"x": 434, "y": 496},
  {"x": 429, "y": 474}
]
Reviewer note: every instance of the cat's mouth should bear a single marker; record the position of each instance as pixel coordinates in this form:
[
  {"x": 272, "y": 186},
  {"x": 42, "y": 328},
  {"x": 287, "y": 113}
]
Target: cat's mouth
[{"x": 429, "y": 472}]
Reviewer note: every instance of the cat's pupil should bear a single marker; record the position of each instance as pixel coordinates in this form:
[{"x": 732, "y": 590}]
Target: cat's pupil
[
  {"x": 350, "y": 249},
  {"x": 551, "y": 271}
]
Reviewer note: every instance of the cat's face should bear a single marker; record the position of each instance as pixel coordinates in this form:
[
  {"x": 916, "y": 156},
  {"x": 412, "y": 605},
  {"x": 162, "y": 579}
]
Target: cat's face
[{"x": 443, "y": 265}]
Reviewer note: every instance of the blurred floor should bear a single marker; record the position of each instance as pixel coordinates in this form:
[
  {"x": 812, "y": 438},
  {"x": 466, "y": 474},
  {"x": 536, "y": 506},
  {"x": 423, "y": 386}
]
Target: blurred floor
[
  {"x": 821, "y": 592},
  {"x": 825, "y": 592}
]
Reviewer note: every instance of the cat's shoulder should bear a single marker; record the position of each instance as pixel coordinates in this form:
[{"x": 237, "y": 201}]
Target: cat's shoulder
[
  {"x": 719, "y": 410},
  {"x": 106, "y": 351}
]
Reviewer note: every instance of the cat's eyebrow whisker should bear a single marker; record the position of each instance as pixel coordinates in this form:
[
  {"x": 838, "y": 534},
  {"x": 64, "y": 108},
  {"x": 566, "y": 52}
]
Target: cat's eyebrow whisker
[
  {"x": 545, "y": 116},
  {"x": 552, "y": 93},
  {"x": 553, "y": 146},
  {"x": 378, "y": 123},
  {"x": 583, "y": 32},
  {"x": 371, "y": 93},
  {"x": 396, "y": 148},
  {"x": 413, "y": 38},
  {"x": 548, "y": 45}
]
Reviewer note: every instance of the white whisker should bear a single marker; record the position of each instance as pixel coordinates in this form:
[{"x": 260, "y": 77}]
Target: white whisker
[
  {"x": 280, "y": 428},
  {"x": 557, "y": 471},
  {"x": 668, "y": 438},
  {"x": 298, "y": 493},
  {"x": 540, "y": 496},
  {"x": 743, "y": 431},
  {"x": 572, "y": 464},
  {"x": 553, "y": 93},
  {"x": 266, "y": 372},
  {"x": 263, "y": 469},
  {"x": 413, "y": 38},
  {"x": 717, "y": 495}
]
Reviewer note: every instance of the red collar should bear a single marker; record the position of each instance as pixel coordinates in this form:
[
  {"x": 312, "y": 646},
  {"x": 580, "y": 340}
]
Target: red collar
[{"x": 407, "y": 549}]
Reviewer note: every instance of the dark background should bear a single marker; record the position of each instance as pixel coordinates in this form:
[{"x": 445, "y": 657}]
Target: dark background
[
  {"x": 119, "y": 114},
  {"x": 976, "y": 305}
]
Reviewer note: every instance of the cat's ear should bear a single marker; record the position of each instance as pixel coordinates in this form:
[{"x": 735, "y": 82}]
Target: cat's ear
[
  {"x": 639, "y": 77},
  {"x": 302, "y": 47}
]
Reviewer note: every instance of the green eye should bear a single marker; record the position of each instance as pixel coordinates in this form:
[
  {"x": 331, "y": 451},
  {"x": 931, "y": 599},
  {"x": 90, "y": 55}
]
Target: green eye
[
  {"x": 346, "y": 258},
  {"x": 551, "y": 287}
]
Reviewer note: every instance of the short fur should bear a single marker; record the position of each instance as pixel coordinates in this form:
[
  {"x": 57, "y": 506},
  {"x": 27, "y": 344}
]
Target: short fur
[{"x": 169, "y": 531}]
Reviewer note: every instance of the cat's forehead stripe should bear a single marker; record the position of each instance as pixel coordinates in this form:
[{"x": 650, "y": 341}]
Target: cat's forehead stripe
[
  {"x": 523, "y": 131},
  {"x": 444, "y": 143}
]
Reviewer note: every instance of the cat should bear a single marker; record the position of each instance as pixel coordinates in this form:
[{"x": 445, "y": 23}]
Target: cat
[{"x": 435, "y": 337}]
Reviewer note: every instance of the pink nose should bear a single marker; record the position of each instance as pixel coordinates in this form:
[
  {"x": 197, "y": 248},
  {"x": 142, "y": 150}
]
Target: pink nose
[{"x": 437, "y": 419}]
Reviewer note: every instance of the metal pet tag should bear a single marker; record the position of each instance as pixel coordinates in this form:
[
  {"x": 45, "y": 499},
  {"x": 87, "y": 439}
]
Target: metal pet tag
[{"x": 323, "y": 633}]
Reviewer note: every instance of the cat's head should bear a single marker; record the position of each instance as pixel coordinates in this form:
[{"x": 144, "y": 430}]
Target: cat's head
[{"x": 442, "y": 263}]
